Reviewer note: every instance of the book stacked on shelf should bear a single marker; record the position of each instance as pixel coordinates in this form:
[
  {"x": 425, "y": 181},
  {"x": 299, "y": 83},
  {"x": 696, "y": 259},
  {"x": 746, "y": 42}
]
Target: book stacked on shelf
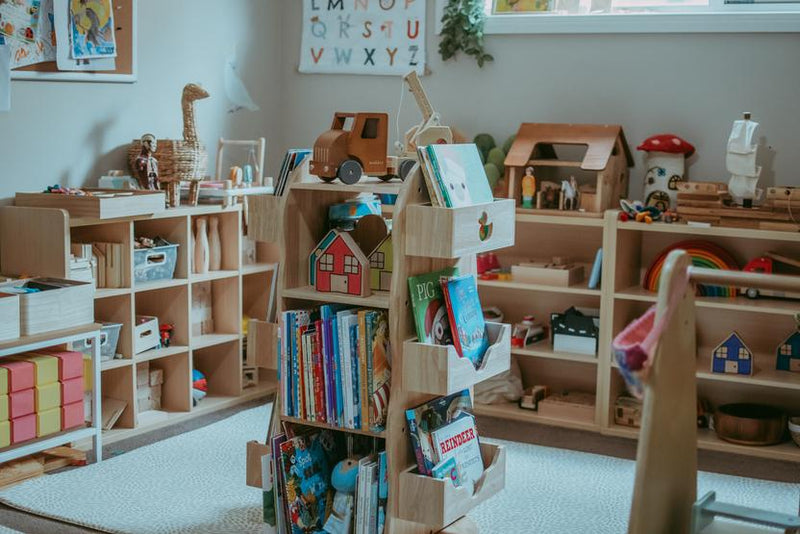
[
  {"x": 335, "y": 364},
  {"x": 293, "y": 158},
  {"x": 445, "y": 439},
  {"x": 326, "y": 482},
  {"x": 454, "y": 175},
  {"x": 447, "y": 311}
]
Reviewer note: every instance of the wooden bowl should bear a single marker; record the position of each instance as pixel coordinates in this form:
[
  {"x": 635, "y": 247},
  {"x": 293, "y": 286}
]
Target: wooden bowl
[
  {"x": 794, "y": 429},
  {"x": 750, "y": 424}
]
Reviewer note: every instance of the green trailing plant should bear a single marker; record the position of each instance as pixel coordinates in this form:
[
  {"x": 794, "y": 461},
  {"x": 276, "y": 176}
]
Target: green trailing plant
[{"x": 462, "y": 30}]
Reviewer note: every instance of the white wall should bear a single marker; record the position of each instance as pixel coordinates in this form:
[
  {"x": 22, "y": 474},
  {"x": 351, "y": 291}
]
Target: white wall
[
  {"x": 693, "y": 85},
  {"x": 70, "y": 133}
]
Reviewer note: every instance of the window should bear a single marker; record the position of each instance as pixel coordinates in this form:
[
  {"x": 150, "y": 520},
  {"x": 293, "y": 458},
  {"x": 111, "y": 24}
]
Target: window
[
  {"x": 744, "y": 354},
  {"x": 639, "y": 16},
  {"x": 370, "y": 130},
  {"x": 326, "y": 263},
  {"x": 722, "y": 352},
  {"x": 377, "y": 261},
  {"x": 786, "y": 350},
  {"x": 350, "y": 265}
]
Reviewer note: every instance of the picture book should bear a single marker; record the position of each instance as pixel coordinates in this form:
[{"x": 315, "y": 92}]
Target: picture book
[
  {"x": 427, "y": 305},
  {"x": 430, "y": 416},
  {"x": 434, "y": 192},
  {"x": 364, "y": 317},
  {"x": 466, "y": 318},
  {"x": 281, "y": 510},
  {"x": 381, "y": 376},
  {"x": 460, "y": 174},
  {"x": 355, "y": 370},
  {"x": 383, "y": 490},
  {"x": 306, "y": 463},
  {"x": 447, "y": 469},
  {"x": 459, "y": 440}
]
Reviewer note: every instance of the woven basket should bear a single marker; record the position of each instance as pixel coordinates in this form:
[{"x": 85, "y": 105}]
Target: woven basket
[{"x": 177, "y": 159}]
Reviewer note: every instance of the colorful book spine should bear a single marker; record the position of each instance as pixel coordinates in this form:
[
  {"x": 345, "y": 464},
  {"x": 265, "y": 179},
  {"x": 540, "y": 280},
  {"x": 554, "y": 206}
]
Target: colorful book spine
[
  {"x": 337, "y": 371},
  {"x": 354, "y": 367},
  {"x": 383, "y": 491},
  {"x": 369, "y": 336},
  {"x": 319, "y": 377},
  {"x": 413, "y": 431},
  {"x": 362, "y": 369}
]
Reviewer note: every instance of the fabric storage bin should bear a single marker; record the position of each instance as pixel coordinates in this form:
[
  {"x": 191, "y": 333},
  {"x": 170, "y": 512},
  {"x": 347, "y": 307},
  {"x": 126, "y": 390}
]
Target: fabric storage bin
[
  {"x": 157, "y": 263},
  {"x": 47, "y": 397},
  {"x": 46, "y": 368},
  {"x": 23, "y": 428},
  {"x": 48, "y": 422},
  {"x": 109, "y": 338},
  {"x": 9, "y": 316},
  {"x": 21, "y": 403},
  {"x": 5, "y": 434},
  {"x": 71, "y": 391},
  {"x": 145, "y": 334},
  {"x": 70, "y": 363},
  {"x": 72, "y": 415},
  {"x": 20, "y": 374},
  {"x": 58, "y": 305}
]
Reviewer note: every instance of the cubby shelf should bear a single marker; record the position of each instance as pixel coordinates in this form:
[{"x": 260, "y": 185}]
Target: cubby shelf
[
  {"x": 115, "y": 364},
  {"x": 515, "y": 413},
  {"x": 211, "y": 340},
  {"x": 577, "y": 289},
  {"x": 159, "y": 284},
  {"x": 378, "y": 299},
  {"x": 257, "y": 268},
  {"x": 213, "y": 275},
  {"x": 155, "y": 354},
  {"x": 104, "y": 293},
  {"x": 544, "y": 349},
  {"x": 317, "y": 424}
]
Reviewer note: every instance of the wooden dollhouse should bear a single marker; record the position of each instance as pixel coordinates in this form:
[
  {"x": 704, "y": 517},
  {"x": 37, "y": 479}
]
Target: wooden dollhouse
[
  {"x": 788, "y": 357},
  {"x": 339, "y": 266},
  {"x": 732, "y": 356},
  {"x": 601, "y": 173},
  {"x": 380, "y": 263}
]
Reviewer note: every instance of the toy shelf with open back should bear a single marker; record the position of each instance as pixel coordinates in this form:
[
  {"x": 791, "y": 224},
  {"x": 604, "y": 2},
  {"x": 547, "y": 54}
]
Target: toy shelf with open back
[
  {"x": 628, "y": 250},
  {"x": 218, "y": 354},
  {"x": 417, "y": 504}
]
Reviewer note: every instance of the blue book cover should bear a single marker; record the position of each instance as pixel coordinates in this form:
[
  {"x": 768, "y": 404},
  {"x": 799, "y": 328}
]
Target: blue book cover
[
  {"x": 460, "y": 174},
  {"x": 466, "y": 318},
  {"x": 337, "y": 372},
  {"x": 354, "y": 373},
  {"x": 383, "y": 490}
]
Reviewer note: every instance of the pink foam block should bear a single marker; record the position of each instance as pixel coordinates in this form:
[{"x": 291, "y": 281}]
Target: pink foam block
[
  {"x": 23, "y": 428},
  {"x": 21, "y": 403},
  {"x": 72, "y": 391},
  {"x": 72, "y": 415},
  {"x": 70, "y": 363},
  {"x": 21, "y": 374}
]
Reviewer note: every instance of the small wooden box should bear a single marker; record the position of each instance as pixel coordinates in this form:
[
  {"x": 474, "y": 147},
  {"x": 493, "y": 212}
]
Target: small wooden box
[
  {"x": 19, "y": 374},
  {"x": 121, "y": 204},
  {"x": 437, "y": 502},
  {"x": 48, "y": 422},
  {"x": 459, "y": 231},
  {"x": 67, "y": 305},
  {"x": 46, "y": 368},
  {"x": 266, "y": 217},
  {"x": 548, "y": 274},
  {"x": 439, "y": 370},
  {"x": 23, "y": 428},
  {"x": 71, "y": 391},
  {"x": 5, "y": 434},
  {"x": 72, "y": 415},
  {"x": 48, "y": 397},
  {"x": 576, "y": 405},
  {"x": 21, "y": 403},
  {"x": 262, "y": 344},
  {"x": 145, "y": 334},
  {"x": 9, "y": 316}
]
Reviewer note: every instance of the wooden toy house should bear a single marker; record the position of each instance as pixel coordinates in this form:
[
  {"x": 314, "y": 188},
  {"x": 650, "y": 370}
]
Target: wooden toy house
[
  {"x": 788, "y": 357},
  {"x": 316, "y": 253},
  {"x": 732, "y": 356},
  {"x": 380, "y": 263},
  {"x": 601, "y": 173},
  {"x": 340, "y": 266}
]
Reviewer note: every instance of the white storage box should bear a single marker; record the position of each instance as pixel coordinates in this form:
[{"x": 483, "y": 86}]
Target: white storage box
[
  {"x": 157, "y": 263},
  {"x": 109, "y": 338},
  {"x": 58, "y": 305},
  {"x": 145, "y": 334}
]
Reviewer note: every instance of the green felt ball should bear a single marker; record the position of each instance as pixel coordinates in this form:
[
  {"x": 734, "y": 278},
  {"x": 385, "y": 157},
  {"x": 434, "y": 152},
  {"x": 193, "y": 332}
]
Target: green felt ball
[
  {"x": 493, "y": 174},
  {"x": 485, "y": 143},
  {"x": 498, "y": 157},
  {"x": 508, "y": 143}
]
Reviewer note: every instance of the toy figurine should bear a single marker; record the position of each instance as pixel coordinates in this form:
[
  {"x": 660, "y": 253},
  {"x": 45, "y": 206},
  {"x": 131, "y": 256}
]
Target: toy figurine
[
  {"x": 487, "y": 262},
  {"x": 146, "y": 166},
  {"x": 343, "y": 478},
  {"x": 166, "y": 334},
  {"x": 528, "y": 188},
  {"x": 666, "y": 167},
  {"x": 547, "y": 198},
  {"x": 569, "y": 190},
  {"x": 527, "y": 332}
]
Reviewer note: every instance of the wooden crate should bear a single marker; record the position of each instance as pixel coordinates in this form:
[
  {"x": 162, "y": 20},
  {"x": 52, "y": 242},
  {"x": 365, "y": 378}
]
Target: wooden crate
[
  {"x": 265, "y": 217},
  {"x": 547, "y": 273},
  {"x": 569, "y": 405},
  {"x": 436, "y": 502},
  {"x": 9, "y": 316},
  {"x": 455, "y": 232},
  {"x": 439, "y": 370},
  {"x": 262, "y": 344},
  {"x": 55, "y": 309},
  {"x": 123, "y": 204}
]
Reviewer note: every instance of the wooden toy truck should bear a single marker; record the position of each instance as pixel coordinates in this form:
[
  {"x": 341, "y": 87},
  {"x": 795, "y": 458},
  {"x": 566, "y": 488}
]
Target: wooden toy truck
[
  {"x": 356, "y": 144},
  {"x": 767, "y": 264}
]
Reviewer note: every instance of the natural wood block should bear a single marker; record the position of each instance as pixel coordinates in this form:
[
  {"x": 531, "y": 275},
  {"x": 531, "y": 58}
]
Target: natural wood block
[
  {"x": 701, "y": 188},
  {"x": 548, "y": 274},
  {"x": 436, "y": 503},
  {"x": 439, "y": 370},
  {"x": 9, "y": 316},
  {"x": 49, "y": 396},
  {"x": 19, "y": 470},
  {"x": 121, "y": 205},
  {"x": 262, "y": 344},
  {"x": 459, "y": 231}
]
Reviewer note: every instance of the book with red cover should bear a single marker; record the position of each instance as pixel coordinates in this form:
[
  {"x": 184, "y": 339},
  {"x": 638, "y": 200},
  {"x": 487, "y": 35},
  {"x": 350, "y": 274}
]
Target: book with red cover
[{"x": 319, "y": 376}]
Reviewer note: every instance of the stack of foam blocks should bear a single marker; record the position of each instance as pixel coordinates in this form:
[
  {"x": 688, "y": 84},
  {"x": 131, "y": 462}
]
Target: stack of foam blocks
[
  {"x": 40, "y": 394},
  {"x": 148, "y": 387}
]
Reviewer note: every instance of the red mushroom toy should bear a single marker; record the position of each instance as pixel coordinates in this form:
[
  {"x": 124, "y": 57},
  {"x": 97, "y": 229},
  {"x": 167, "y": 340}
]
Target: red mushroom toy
[{"x": 666, "y": 166}]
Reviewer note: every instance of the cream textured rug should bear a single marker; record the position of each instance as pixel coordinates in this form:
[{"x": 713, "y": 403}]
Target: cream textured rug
[{"x": 195, "y": 483}]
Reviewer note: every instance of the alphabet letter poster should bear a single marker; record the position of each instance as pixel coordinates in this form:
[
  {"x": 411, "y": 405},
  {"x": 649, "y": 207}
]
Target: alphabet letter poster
[{"x": 363, "y": 36}]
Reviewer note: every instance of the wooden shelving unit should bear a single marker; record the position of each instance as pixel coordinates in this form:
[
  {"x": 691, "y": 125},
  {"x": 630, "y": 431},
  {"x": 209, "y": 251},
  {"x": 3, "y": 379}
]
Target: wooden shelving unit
[
  {"x": 218, "y": 355},
  {"x": 628, "y": 249},
  {"x": 417, "y": 504}
]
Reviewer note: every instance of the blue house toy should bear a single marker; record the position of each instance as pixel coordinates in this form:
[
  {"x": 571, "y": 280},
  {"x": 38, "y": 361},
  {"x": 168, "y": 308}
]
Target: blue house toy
[
  {"x": 789, "y": 353},
  {"x": 732, "y": 356}
]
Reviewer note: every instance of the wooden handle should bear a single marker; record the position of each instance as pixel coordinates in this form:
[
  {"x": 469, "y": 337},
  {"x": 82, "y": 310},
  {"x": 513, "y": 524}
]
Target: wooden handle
[{"x": 700, "y": 275}]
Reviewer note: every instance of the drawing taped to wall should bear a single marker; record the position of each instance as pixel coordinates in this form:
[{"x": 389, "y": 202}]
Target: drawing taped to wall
[{"x": 363, "y": 36}]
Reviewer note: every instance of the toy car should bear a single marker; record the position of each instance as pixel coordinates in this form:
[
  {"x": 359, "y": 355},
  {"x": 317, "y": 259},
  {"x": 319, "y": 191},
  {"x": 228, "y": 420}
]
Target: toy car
[
  {"x": 767, "y": 264},
  {"x": 527, "y": 332}
]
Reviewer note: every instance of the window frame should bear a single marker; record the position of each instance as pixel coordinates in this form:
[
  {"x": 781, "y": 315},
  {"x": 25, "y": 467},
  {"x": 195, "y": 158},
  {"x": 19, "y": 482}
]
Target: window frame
[{"x": 757, "y": 17}]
